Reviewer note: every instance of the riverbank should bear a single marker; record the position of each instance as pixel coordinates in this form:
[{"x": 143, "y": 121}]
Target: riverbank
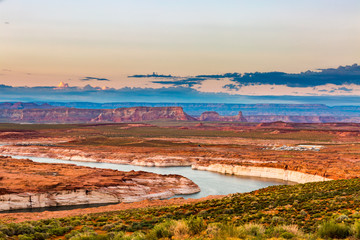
[{"x": 262, "y": 172}]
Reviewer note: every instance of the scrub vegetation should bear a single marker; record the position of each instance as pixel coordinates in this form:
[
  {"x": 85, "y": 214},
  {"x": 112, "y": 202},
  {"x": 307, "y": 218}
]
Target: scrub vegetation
[{"x": 324, "y": 210}]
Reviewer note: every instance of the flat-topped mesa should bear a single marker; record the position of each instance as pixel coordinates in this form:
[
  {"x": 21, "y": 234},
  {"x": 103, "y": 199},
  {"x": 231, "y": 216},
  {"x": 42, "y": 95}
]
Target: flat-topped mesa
[
  {"x": 137, "y": 114},
  {"x": 74, "y": 115},
  {"x": 214, "y": 116}
]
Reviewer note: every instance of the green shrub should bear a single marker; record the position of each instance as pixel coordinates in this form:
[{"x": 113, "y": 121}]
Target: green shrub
[
  {"x": 333, "y": 230},
  {"x": 356, "y": 230},
  {"x": 162, "y": 230},
  {"x": 287, "y": 235},
  {"x": 24, "y": 237},
  {"x": 59, "y": 231},
  {"x": 196, "y": 225},
  {"x": 88, "y": 236}
]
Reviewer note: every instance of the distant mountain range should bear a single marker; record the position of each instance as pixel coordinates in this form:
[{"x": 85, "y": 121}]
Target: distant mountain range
[
  {"x": 196, "y": 109},
  {"x": 133, "y": 112}
]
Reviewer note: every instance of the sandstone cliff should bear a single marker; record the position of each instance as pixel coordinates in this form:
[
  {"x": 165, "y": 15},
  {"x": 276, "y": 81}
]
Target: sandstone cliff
[
  {"x": 73, "y": 115},
  {"x": 214, "y": 116}
]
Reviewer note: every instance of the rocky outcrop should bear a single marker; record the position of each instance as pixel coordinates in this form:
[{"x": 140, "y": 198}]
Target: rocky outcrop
[
  {"x": 300, "y": 119},
  {"x": 73, "y": 115},
  {"x": 26, "y": 184},
  {"x": 263, "y": 172},
  {"x": 104, "y": 195},
  {"x": 138, "y": 159},
  {"x": 215, "y": 117}
]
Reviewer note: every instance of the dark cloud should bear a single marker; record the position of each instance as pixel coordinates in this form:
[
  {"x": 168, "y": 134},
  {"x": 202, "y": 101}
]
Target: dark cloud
[
  {"x": 338, "y": 76},
  {"x": 345, "y": 89},
  {"x": 226, "y": 75},
  {"x": 188, "y": 82},
  {"x": 94, "y": 79},
  {"x": 153, "y": 75},
  {"x": 342, "y": 75},
  {"x": 231, "y": 87}
]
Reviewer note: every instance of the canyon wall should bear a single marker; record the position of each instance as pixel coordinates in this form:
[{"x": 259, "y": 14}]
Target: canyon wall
[
  {"x": 105, "y": 195},
  {"x": 73, "y": 115},
  {"x": 263, "y": 172},
  {"x": 27, "y": 184},
  {"x": 24, "y": 113}
]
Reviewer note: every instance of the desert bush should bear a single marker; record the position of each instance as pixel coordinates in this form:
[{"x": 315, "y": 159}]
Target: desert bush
[
  {"x": 89, "y": 236},
  {"x": 254, "y": 229},
  {"x": 196, "y": 225},
  {"x": 287, "y": 231},
  {"x": 25, "y": 237},
  {"x": 180, "y": 229},
  {"x": 162, "y": 230},
  {"x": 59, "y": 231},
  {"x": 332, "y": 230},
  {"x": 355, "y": 229}
]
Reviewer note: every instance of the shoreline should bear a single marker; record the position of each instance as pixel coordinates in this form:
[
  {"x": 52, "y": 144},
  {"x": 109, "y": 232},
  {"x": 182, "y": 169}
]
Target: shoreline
[{"x": 162, "y": 161}]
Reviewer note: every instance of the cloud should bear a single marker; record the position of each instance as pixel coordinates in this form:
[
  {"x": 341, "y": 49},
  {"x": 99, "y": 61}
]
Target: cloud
[
  {"x": 153, "y": 75},
  {"x": 170, "y": 95},
  {"x": 94, "y": 79},
  {"x": 337, "y": 76},
  {"x": 226, "y": 75},
  {"x": 345, "y": 89},
  {"x": 187, "y": 82},
  {"x": 343, "y": 75},
  {"x": 231, "y": 87}
]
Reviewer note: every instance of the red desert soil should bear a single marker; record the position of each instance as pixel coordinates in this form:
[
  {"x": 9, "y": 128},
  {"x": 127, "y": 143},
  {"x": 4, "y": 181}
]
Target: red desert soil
[
  {"x": 33, "y": 216},
  {"x": 227, "y": 143}
]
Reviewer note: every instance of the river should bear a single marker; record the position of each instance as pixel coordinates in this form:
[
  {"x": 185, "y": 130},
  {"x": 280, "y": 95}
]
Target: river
[{"x": 210, "y": 183}]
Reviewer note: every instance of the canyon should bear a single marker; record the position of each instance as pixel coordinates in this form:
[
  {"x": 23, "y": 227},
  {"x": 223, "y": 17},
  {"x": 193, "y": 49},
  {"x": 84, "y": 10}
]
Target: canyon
[
  {"x": 27, "y": 184},
  {"x": 232, "y": 148}
]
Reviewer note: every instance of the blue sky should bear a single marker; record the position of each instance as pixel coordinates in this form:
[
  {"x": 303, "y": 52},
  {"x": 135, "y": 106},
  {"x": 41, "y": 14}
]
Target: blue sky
[{"x": 100, "y": 43}]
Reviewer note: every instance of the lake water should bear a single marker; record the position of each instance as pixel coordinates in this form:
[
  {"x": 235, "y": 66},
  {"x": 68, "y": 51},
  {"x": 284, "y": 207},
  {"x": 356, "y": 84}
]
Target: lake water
[{"x": 210, "y": 183}]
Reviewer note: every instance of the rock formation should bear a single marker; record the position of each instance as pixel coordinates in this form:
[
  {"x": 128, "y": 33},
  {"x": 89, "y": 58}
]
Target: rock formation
[
  {"x": 301, "y": 119},
  {"x": 263, "y": 172},
  {"x": 26, "y": 184},
  {"x": 73, "y": 115},
  {"x": 214, "y": 116}
]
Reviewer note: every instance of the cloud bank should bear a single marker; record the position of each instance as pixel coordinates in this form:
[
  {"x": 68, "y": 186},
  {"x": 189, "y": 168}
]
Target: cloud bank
[
  {"x": 343, "y": 75},
  {"x": 332, "y": 86}
]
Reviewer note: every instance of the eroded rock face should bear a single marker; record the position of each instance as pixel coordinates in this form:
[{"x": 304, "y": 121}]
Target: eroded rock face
[
  {"x": 73, "y": 115},
  {"x": 264, "y": 172},
  {"x": 26, "y": 184},
  {"x": 214, "y": 116}
]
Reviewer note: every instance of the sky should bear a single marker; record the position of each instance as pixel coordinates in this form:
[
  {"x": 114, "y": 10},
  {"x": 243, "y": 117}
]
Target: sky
[{"x": 101, "y": 43}]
